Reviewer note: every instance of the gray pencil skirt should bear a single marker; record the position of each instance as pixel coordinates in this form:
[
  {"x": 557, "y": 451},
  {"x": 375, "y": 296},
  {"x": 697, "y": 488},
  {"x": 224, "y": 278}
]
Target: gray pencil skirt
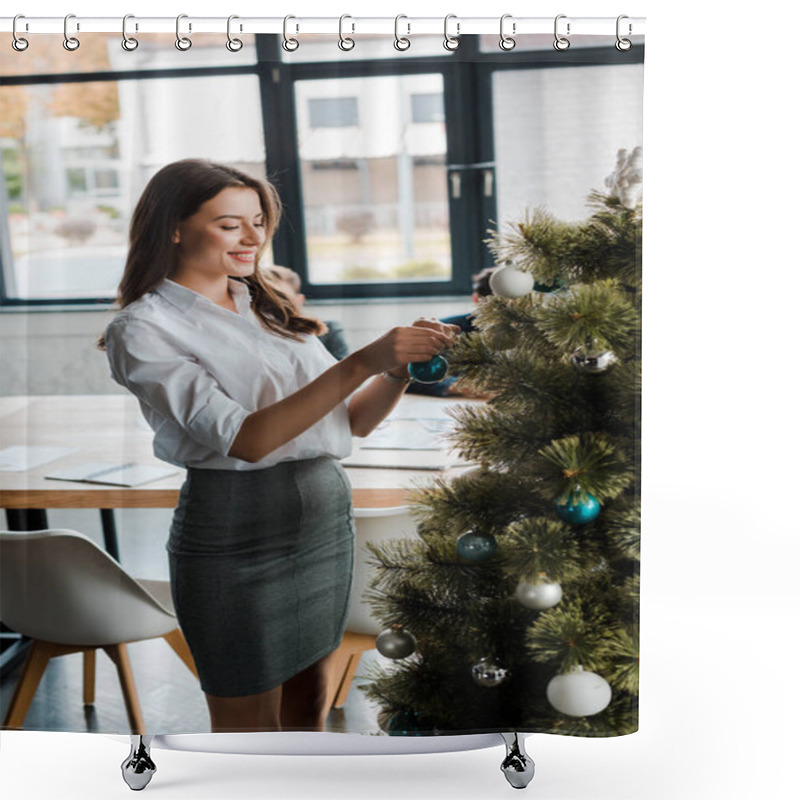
[{"x": 261, "y": 565}]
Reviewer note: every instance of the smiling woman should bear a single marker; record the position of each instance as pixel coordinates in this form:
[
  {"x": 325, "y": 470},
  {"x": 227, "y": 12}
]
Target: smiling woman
[{"x": 240, "y": 391}]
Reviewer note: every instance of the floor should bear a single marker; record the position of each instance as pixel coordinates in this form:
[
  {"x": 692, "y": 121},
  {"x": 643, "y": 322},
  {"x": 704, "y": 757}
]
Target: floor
[{"x": 170, "y": 696}]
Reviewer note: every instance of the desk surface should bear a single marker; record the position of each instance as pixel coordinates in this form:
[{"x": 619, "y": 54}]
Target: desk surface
[{"x": 111, "y": 428}]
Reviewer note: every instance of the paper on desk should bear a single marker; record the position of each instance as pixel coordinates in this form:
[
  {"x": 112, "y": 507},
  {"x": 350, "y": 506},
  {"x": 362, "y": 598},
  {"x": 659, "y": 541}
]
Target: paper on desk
[
  {"x": 424, "y": 408},
  {"x": 408, "y": 434},
  {"x": 21, "y": 458},
  {"x": 407, "y": 444},
  {"x": 113, "y": 474},
  {"x": 403, "y": 459}
]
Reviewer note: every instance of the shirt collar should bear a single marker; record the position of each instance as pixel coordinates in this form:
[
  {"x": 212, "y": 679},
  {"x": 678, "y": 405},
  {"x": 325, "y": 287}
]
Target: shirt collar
[{"x": 185, "y": 299}]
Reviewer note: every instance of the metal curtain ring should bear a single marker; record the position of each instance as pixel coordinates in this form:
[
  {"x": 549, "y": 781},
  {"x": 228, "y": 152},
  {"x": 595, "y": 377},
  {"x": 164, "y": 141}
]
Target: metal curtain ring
[
  {"x": 18, "y": 43},
  {"x": 451, "y": 42},
  {"x": 561, "y": 42},
  {"x": 345, "y": 42},
  {"x": 289, "y": 44},
  {"x": 70, "y": 42},
  {"x": 234, "y": 45},
  {"x": 623, "y": 44},
  {"x": 128, "y": 42},
  {"x": 401, "y": 43},
  {"x": 182, "y": 42},
  {"x": 507, "y": 42}
]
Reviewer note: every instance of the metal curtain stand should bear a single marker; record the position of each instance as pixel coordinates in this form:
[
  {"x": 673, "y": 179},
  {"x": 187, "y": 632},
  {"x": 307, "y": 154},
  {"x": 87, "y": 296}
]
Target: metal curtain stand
[{"x": 138, "y": 768}]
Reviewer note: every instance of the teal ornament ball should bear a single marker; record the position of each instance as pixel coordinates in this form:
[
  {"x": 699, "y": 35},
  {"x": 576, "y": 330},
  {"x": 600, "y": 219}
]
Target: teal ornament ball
[
  {"x": 404, "y": 723},
  {"x": 431, "y": 371},
  {"x": 579, "y": 509},
  {"x": 548, "y": 288},
  {"x": 476, "y": 547}
]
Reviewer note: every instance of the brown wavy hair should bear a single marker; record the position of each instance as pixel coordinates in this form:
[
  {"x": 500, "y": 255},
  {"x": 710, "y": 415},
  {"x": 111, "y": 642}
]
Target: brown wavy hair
[{"x": 173, "y": 195}]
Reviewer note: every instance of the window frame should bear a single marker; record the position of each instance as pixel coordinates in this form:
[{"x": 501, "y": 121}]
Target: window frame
[{"x": 467, "y": 77}]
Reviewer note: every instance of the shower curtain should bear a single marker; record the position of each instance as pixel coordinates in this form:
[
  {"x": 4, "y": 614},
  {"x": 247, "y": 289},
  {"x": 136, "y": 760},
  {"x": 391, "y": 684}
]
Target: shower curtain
[{"x": 492, "y": 183}]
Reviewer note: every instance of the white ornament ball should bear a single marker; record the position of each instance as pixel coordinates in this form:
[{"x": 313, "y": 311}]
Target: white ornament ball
[
  {"x": 511, "y": 282},
  {"x": 579, "y": 693},
  {"x": 539, "y": 596}
]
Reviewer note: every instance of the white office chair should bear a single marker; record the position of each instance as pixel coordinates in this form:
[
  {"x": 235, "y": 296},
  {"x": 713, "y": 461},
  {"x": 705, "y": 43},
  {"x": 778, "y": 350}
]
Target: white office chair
[
  {"x": 372, "y": 525},
  {"x": 67, "y": 595}
]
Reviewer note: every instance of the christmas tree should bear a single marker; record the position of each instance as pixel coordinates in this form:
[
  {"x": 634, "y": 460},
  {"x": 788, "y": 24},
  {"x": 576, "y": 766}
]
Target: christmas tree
[{"x": 516, "y": 606}]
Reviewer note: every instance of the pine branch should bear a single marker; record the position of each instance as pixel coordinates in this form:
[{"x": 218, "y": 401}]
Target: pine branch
[
  {"x": 481, "y": 499},
  {"x": 584, "y": 464},
  {"x": 541, "y": 545},
  {"x": 497, "y": 436},
  {"x": 441, "y": 580},
  {"x": 620, "y": 717},
  {"x": 623, "y": 532},
  {"x": 571, "y": 635},
  {"x": 608, "y": 244},
  {"x": 539, "y": 244},
  {"x": 598, "y": 315},
  {"x": 623, "y": 654}
]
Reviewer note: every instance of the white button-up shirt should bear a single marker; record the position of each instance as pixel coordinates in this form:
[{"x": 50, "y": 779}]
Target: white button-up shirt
[{"x": 199, "y": 370}]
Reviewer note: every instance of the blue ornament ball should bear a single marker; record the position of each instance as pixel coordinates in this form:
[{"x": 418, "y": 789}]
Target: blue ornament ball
[
  {"x": 431, "y": 371},
  {"x": 579, "y": 509},
  {"x": 476, "y": 546}
]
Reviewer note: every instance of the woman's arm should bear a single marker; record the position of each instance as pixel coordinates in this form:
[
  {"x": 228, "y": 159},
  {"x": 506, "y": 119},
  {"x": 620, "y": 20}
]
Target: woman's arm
[
  {"x": 268, "y": 428},
  {"x": 371, "y": 405},
  {"x": 374, "y": 403}
]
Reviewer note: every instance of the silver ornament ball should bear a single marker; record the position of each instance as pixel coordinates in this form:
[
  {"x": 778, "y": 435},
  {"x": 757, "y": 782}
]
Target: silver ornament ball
[
  {"x": 488, "y": 673},
  {"x": 592, "y": 362},
  {"x": 396, "y": 643}
]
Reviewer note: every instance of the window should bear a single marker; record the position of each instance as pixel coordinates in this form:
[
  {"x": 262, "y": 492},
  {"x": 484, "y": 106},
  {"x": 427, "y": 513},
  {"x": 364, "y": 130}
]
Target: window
[
  {"x": 372, "y": 213},
  {"x": 392, "y": 166},
  {"x": 73, "y": 177}
]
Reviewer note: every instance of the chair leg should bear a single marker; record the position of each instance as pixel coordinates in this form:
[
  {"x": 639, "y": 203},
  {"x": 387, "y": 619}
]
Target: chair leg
[
  {"x": 346, "y": 666},
  {"x": 338, "y": 667},
  {"x": 177, "y": 642},
  {"x": 39, "y": 655},
  {"x": 118, "y": 653},
  {"x": 89, "y": 671},
  {"x": 348, "y": 673}
]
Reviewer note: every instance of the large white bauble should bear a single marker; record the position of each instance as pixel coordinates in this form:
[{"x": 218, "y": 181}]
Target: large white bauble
[
  {"x": 508, "y": 281},
  {"x": 539, "y": 596},
  {"x": 579, "y": 693}
]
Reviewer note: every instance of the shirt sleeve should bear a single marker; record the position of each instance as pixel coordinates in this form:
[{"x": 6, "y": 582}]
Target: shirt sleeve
[{"x": 172, "y": 383}]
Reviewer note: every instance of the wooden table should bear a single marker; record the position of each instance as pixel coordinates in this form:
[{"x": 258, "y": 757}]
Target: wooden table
[{"x": 110, "y": 428}]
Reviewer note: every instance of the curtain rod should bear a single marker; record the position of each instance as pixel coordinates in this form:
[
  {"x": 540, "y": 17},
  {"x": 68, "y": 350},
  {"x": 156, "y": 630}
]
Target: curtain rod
[{"x": 406, "y": 25}]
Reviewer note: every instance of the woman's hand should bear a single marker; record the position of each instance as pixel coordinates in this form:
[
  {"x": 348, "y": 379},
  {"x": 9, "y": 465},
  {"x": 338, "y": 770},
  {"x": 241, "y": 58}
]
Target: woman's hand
[
  {"x": 392, "y": 353},
  {"x": 420, "y": 341}
]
